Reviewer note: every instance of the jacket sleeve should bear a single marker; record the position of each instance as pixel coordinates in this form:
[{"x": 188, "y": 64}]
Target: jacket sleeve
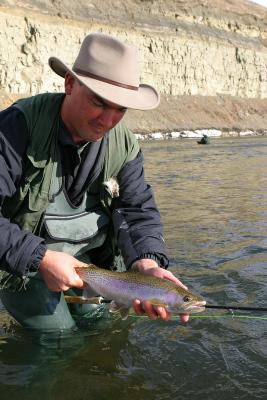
[
  {"x": 136, "y": 219},
  {"x": 20, "y": 251}
]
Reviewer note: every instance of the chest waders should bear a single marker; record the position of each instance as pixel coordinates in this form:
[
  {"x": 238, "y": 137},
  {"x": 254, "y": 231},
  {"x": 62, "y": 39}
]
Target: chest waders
[{"x": 74, "y": 230}]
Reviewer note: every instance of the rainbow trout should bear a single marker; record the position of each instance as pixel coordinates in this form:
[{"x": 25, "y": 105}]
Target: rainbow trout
[{"x": 124, "y": 287}]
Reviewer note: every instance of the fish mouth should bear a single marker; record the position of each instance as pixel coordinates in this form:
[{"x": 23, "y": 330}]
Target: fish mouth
[
  {"x": 194, "y": 307},
  {"x": 188, "y": 307}
]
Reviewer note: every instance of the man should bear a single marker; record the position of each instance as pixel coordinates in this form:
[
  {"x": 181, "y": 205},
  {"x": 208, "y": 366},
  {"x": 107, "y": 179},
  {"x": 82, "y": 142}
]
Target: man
[{"x": 72, "y": 187}]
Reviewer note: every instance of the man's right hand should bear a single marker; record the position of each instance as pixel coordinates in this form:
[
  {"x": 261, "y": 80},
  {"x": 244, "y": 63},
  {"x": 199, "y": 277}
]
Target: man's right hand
[{"x": 58, "y": 271}]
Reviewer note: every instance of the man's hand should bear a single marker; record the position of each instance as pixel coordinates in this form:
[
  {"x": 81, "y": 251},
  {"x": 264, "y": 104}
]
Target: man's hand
[
  {"x": 150, "y": 267},
  {"x": 58, "y": 271}
]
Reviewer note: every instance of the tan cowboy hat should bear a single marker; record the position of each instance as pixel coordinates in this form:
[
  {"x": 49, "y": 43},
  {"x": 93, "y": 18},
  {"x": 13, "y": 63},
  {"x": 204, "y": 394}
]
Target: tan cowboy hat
[{"x": 109, "y": 68}]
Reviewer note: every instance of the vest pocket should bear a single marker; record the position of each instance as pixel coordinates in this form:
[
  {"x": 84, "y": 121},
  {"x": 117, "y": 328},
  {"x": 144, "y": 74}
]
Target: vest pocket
[{"x": 76, "y": 228}]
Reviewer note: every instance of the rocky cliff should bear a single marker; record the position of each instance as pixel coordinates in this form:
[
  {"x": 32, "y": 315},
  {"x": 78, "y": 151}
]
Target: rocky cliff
[{"x": 208, "y": 58}]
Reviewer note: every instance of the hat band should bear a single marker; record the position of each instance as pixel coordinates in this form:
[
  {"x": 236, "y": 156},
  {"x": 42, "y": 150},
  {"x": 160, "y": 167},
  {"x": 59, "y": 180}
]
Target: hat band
[{"x": 100, "y": 78}]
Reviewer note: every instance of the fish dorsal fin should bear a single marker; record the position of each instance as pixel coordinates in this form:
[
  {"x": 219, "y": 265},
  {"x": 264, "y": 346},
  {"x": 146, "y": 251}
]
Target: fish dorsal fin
[{"x": 119, "y": 308}]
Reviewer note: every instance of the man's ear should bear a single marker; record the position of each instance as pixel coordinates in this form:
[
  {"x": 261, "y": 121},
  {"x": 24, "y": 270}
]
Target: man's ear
[{"x": 69, "y": 82}]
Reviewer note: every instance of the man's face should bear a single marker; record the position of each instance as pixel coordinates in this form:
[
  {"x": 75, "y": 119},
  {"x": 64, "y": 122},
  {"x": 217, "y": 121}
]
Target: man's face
[{"x": 87, "y": 116}]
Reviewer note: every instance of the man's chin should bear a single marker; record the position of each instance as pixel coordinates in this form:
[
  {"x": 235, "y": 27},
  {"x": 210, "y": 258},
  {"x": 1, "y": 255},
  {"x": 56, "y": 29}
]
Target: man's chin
[
  {"x": 92, "y": 137},
  {"x": 96, "y": 134},
  {"x": 95, "y": 138}
]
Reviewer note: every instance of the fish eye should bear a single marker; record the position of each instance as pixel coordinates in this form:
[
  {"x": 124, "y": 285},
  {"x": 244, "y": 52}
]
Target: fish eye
[{"x": 186, "y": 298}]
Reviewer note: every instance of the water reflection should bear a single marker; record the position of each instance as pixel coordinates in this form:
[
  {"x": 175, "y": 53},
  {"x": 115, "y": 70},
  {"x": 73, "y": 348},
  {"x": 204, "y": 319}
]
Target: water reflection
[{"x": 213, "y": 203}]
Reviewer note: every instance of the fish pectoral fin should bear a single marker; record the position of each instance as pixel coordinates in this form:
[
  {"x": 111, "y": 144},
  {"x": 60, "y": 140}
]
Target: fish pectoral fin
[{"x": 119, "y": 308}]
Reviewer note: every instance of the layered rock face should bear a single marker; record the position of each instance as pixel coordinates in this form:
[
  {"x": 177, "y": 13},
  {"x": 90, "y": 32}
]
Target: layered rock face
[{"x": 197, "y": 53}]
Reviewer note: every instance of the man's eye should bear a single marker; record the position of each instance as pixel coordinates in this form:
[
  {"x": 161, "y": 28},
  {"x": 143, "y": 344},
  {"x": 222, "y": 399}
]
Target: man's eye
[{"x": 97, "y": 104}]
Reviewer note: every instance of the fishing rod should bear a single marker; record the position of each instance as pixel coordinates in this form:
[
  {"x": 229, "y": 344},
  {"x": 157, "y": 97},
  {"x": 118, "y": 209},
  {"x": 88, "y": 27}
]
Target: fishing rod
[
  {"x": 101, "y": 300},
  {"x": 227, "y": 316},
  {"x": 86, "y": 300},
  {"x": 238, "y": 308}
]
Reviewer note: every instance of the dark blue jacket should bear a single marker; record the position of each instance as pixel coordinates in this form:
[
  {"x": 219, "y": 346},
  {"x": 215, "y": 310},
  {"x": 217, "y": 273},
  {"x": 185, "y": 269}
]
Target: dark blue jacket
[{"x": 136, "y": 218}]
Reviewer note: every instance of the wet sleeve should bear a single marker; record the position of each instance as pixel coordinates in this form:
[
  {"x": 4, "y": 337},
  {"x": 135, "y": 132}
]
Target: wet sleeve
[
  {"x": 136, "y": 218},
  {"x": 19, "y": 251}
]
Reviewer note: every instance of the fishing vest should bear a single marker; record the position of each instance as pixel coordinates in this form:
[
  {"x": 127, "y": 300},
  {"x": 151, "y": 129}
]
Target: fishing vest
[
  {"x": 30, "y": 203},
  {"x": 73, "y": 229}
]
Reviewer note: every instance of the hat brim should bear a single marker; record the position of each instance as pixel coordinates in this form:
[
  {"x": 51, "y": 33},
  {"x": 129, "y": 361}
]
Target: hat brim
[{"x": 145, "y": 98}]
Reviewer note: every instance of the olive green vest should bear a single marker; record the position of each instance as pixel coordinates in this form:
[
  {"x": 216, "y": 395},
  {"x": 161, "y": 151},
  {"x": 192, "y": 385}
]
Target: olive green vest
[
  {"x": 74, "y": 229},
  {"x": 42, "y": 114}
]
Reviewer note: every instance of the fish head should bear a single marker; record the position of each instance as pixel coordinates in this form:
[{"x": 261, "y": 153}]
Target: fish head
[{"x": 187, "y": 302}]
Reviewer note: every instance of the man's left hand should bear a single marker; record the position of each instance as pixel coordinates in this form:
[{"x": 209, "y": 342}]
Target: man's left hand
[{"x": 150, "y": 267}]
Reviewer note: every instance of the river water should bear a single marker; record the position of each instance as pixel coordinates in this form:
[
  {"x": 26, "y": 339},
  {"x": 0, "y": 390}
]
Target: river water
[{"x": 213, "y": 204}]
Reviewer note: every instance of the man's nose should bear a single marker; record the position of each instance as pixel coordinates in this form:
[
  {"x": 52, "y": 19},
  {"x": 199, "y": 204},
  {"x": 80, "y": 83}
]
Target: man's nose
[{"x": 108, "y": 117}]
